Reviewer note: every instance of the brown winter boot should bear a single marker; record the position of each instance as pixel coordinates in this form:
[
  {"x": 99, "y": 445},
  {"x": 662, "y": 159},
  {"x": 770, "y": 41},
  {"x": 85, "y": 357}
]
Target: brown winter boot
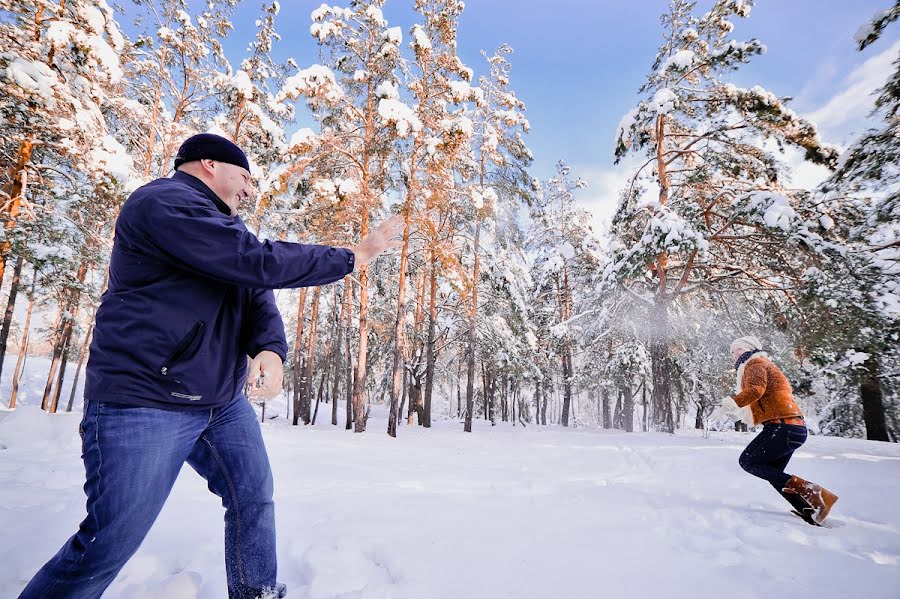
[{"x": 819, "y": 498}]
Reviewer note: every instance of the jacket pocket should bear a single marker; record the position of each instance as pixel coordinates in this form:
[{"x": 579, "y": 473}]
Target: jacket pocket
[{"x": 187, "y": 344}]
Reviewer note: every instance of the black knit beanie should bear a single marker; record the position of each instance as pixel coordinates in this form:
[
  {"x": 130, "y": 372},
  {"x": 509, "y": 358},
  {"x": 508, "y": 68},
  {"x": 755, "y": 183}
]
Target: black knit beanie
[{"x": 211, "y": 147}]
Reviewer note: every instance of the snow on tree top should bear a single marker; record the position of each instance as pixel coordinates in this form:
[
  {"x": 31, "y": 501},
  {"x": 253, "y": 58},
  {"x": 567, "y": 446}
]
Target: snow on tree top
[
  {"x": 302, "y": 138},
  {"x": 241, "y": 82},
  {"x": 773, "y": 208},
  {"x": 34, "y": 76},
  {"x": 395, "y": 112},
  {"x": 374, "y": 13},
  {"x": 317, "y": 81},
  {"x": 387, "y": 89},
  {"x": 681, "y": 60},
  {"x": 394, "y": 36},
  {"x": 420, "y": 38},
  {"x": 664, "y": 101}
]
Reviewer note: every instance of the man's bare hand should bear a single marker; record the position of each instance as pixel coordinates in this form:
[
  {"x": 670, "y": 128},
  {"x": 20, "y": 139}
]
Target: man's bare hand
[
  {"x": 265, "y": 376},
  {"x": 386, "y": 236}
]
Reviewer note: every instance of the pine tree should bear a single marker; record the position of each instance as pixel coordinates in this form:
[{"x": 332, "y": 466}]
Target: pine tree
[
  {"x": 720, "y": 206},
  {"x": 355, "y": 98}
]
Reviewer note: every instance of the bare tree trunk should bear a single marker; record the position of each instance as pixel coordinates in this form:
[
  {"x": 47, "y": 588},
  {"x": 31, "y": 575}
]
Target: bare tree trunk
[
  {"x": 414, "y": 354},
  {"x": 661, "y": 366},
  {"x": 430, "y": 357},
  {"x": 10, "y": 306},
  {"x": 646, "y": 419},
  {"x": 607, "y": 420},
  {"x": 82, "y": 355},
  {"x": 458, "y": 387},
  {"x": 473, "y": 312},
  {"x": 23, "y": 345},
  {"x": 566, "y": 347},
  {"x": 538, "y": 387},
  {"x": 873, "y": 405},
  {"x": 359, "y": 382},
  {"x": 306, "y": 393},
  {"x": 298, "y": 353},
  {"x": 64, "y": 329},
  {"x": 60, "y": 361},
  {"x": 337, "y": 351},
  {"x": 628, "y": 408},
  {"x": 323, "y": 382},
  {"x": 351, "y": 417},
  {"x": 401, "y": 352},
  {"x": 546, "y": 382}
]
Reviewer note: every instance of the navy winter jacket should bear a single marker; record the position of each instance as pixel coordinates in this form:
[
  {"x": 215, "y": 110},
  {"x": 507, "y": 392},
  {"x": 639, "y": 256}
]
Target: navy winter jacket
[{"x": 190, "y": 297}]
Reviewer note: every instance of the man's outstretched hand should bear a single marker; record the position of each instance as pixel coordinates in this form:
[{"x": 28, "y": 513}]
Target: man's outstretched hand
[
  {"x": 386, "y": 236},
  {"x": 265, "y": 375}
]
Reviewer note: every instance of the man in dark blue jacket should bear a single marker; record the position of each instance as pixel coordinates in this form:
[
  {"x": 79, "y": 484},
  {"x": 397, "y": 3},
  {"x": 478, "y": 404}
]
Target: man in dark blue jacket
[{"x": 189, "y": 300}]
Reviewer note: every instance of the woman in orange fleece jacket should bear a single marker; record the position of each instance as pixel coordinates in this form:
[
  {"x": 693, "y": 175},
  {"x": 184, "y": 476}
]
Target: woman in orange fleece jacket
[{"x": 763, "y": 388}]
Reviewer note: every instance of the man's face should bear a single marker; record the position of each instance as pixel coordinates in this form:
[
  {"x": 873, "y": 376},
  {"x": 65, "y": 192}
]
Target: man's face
[{"x": 231, "y": 183}]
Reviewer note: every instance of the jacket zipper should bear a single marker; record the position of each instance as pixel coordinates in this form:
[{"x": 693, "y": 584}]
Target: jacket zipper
[{"x": 182, "y": 348}]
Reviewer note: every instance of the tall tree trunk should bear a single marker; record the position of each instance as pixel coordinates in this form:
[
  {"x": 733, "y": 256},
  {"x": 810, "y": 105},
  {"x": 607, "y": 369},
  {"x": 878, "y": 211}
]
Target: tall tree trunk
[
  {"x": 61, "y": 360},
  {"x": 401, "y": 353},
  {"x": 81, "y": 356},
  {"x": 538, "y": 387},
  {"x": 661, "y": 399},
  {"x": 872, "y": 401},
  {"x": 566, "y": 347},
  {"x": 415, "y": 351},
  {"x": 345, "y": 299},
  {"x": 473, "y": 312},
  {"x": 306, "y": 393},
  {"x": 67, "y": 319},
  {"x": 547, "y": 383},
  {"x": 359, "y": 382},
  {"x": 604, "y": 394},
  {"x": 298, "y": 355},
  {"x": 23, "y": 345},
  {"x": 484, "y": 391},
  {"x": 628, "y": 408},
  {"x": 10, "y": 306},
  {"x": 430, "y": 357},
  {"x": 458, "y": 387},
  {"x": 351, "y": 418}
]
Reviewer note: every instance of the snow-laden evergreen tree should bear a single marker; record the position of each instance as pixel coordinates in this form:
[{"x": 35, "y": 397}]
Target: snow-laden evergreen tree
[
  {"x": 251, "y": 116},
  {"x": 66, "y": 170},
  {"x": 565, "y": 258},
  {"x": 178, "y": 59},
  {"x": 852, "y": 295},
  {"x": 439, "y": 83},
  {"x": 354, "y": 96},
  {"x": 496, "y": 177},
  {"x": 716, "y": 214}
]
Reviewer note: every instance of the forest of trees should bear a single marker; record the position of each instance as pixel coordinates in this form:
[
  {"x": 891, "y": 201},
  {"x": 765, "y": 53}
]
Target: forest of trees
[{"x": 504, "y": 302}]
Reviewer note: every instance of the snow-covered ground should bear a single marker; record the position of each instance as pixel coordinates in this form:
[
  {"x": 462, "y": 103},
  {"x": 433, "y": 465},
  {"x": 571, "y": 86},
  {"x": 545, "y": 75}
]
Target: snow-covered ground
[{"x": 538, "y": 512}]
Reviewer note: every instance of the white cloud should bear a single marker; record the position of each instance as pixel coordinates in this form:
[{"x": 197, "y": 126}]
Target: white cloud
[
  {"x": 847, "y": 111},
  {"x": 604, "y": 183}
]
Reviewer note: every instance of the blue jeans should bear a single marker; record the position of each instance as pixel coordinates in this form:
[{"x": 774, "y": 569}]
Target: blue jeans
[
  {"x": 769, "y": 453},
  {"x": 132, "y": 457}
]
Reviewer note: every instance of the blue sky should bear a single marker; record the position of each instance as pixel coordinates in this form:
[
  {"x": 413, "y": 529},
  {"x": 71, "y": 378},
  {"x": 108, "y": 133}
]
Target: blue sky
[{"x": 578, "y": 65}]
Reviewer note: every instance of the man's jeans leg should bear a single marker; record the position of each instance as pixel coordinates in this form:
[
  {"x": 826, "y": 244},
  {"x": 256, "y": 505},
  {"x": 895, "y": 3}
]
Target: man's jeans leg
[
  {"x": 132, "y": 457},
  {"x": 231, "y": 456}
]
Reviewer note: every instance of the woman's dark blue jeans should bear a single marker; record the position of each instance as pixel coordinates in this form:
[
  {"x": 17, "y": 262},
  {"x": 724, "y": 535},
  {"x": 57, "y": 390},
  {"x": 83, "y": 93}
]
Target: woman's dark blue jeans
[
  {"x": 132, "y": 457},
  {"x": 769, "y": 453}
]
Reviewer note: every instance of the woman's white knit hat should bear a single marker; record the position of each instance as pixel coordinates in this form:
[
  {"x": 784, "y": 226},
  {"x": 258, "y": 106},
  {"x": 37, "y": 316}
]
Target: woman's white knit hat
[{"x": 748, "y": 343}]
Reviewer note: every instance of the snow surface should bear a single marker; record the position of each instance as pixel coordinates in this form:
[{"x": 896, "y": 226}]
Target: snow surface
[{"x": 533, "y": 512}]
